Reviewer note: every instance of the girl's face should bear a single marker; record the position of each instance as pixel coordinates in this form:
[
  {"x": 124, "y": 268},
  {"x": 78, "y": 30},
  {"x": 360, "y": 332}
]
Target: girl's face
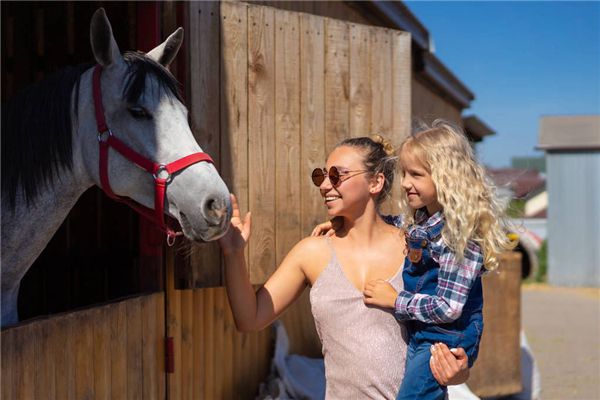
[
  {"x": 417, "y": 182},
  {"x": 353, "y": 190}
]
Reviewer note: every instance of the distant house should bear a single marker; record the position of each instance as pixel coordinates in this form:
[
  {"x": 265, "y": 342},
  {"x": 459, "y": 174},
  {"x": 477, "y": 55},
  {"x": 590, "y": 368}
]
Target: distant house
[
  {"x": 527, "y": 185},
  {"x": 572, "y": 146}
]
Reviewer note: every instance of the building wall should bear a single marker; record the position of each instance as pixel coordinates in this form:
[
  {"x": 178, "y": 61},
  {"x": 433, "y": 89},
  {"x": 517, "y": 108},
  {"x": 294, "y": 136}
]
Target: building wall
[
  {"x": 427, "y": 105},
  {"x": 574, "y": 218}
]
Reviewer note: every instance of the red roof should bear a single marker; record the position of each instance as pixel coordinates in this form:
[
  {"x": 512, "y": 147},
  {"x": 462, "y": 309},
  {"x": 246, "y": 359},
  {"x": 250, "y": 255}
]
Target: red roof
[{"x": 521, "y": 181}]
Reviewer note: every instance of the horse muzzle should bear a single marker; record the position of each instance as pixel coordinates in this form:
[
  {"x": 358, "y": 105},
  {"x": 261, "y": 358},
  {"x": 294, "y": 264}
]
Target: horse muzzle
[{"x": 210, "y": 223}]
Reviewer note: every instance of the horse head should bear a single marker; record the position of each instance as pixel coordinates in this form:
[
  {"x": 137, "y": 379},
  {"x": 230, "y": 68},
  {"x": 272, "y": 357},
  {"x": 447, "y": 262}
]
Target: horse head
[{"x": 143, "y": 109}]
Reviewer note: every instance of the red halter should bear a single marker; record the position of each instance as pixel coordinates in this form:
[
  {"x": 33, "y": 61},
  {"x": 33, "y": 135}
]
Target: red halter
[{"x": 162, "y": 173}]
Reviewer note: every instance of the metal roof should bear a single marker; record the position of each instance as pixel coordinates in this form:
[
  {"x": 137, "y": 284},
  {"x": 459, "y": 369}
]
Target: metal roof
[{"x": 569, "y": 132}]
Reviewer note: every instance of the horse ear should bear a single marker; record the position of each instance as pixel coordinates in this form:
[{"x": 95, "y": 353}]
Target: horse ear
[
  {"x": 104, "y": 46},
  {"x": 166, "y": 52}
]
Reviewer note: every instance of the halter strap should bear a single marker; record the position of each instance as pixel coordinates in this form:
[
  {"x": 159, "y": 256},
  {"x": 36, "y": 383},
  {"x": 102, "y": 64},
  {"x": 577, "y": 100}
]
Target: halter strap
[{"x": 162, "y": 173}]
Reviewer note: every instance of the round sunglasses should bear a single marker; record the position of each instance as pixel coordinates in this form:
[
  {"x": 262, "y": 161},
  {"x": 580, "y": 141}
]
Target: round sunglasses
[{"x": 335, "y": 176}]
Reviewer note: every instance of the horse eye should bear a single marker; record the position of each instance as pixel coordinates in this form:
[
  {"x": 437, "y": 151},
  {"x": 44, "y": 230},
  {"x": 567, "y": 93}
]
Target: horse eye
[{"x": 139, "y": 112}]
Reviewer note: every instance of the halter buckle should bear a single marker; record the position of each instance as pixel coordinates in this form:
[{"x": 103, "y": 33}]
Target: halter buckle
[
  {"x": 162, "y": 173},
  {"x": 103, "y": 136}
]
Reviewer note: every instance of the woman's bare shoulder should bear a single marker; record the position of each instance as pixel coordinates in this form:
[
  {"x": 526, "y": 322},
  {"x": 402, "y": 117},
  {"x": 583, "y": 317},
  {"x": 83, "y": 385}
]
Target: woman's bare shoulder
[{"x": 312, "y": 246}]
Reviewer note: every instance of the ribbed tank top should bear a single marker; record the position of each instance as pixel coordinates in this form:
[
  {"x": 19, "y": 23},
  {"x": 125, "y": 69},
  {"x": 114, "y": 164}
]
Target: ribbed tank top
[{"x": 364, "y": 347}]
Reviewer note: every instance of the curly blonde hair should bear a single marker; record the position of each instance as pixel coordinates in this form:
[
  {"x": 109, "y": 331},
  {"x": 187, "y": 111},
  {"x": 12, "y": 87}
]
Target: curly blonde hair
[{"x": 470, "y": 206}]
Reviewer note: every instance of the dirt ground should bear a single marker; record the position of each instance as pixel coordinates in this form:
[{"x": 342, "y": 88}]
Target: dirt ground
[{"x": 563, "y": 329}]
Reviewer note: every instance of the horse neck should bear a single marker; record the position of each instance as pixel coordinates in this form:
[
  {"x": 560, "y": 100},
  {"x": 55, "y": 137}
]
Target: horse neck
[{"x": 27, "y": 228}]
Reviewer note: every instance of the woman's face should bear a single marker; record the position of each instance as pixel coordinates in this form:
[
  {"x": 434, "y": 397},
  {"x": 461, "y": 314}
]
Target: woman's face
[{"x": 352, "y": 192}]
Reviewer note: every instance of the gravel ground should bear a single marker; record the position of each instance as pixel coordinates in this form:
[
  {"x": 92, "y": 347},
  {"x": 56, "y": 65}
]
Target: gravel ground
[{"x": 563, "y": 329}]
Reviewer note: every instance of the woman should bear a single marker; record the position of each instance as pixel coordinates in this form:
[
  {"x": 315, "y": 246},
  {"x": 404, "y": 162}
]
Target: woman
[{"x": 364, "y": 347}]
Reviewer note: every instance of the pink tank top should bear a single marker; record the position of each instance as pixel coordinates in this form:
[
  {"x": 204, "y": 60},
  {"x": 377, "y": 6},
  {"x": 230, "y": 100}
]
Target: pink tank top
[{"x": 364, "y": 347}]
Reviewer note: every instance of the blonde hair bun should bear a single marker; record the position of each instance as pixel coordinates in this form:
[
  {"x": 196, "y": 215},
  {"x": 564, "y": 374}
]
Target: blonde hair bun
[{"x": 387, "y": 145}]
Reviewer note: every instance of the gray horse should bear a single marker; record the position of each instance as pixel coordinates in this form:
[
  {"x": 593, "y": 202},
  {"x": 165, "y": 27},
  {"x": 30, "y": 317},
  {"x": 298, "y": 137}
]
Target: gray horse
[{"x": 51, "y": 152}]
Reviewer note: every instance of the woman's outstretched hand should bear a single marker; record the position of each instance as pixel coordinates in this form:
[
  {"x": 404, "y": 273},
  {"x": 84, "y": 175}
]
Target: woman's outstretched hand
[
  {"x": 239, "y": 231},
  {"x": 449, "y": 367}
]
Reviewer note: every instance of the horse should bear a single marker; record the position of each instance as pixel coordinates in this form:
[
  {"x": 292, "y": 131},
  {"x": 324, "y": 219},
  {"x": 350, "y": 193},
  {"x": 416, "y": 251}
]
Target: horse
[{"x": 121, "y": 125}]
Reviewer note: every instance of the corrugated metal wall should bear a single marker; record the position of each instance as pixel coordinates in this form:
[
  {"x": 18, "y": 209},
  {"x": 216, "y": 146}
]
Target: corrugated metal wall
[{"x": 574, "y": 218}]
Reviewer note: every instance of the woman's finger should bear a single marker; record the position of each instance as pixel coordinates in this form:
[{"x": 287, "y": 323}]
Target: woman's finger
[
  {"x": 435, "y": 368},
  {"x": 235, "y": 208},
  {"x": 247, "y": 225}
]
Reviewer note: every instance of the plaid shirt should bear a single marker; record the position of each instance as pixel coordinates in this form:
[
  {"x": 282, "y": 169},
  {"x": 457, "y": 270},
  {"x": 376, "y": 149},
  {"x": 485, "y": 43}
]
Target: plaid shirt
[{"x": 455, "y": 278}]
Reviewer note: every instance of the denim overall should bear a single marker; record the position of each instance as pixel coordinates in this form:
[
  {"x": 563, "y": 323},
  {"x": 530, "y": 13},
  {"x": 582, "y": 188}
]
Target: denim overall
[{"x": 421, "y": 276}]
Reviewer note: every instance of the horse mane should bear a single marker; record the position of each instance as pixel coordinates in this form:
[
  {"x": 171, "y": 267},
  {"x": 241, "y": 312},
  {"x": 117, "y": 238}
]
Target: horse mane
[
  {"x": 36, "y": 133},
  {"x": 36, "y": 124}
]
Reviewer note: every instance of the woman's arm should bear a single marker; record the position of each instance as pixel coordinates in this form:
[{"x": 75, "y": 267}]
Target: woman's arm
[
  {"x": 449, "y": 367},
  {"x": 255, "y": 310}
]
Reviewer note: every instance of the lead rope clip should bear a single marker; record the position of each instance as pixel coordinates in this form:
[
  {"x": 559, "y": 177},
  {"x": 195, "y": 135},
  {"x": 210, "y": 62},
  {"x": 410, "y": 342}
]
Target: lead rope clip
[{"x": 171, "y": 239}]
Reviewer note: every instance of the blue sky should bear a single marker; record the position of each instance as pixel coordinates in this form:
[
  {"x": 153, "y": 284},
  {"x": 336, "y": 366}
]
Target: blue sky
[{"x": 522, "y": 60}]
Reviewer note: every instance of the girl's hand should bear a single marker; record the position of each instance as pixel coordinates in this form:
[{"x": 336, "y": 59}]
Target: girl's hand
[
  {"x": 449, "y": 367},
  {"x": 380, "y": 293},
  {"x": 239, "y": 231},
  {"x": 328, "y": 228}
]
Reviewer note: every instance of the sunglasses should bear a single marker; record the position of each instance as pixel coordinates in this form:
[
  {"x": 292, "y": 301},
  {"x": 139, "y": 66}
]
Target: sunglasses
[{"x": 335, "y": 176}]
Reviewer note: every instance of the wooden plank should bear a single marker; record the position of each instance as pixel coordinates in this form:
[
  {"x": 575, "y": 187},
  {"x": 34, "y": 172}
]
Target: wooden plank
[
  {"x": 184, "y": 353},
  {"x": 24, "y": 362},
  {"x": 401, "y": 102},
  {"x": 83, "y": 339},
  {"x": 153, "y": 355},
  {"x": 70, "y": 349},
  {"x": 229, "y": 334},
  {"x": 287, "y": 132},
  {"x": 209, "y": 335},
  {"x": 101, "y": 353},
  {"x": 218, "y": 361},
  {"x": 234, "y": 101},
  {"x": 57, "y": 343},
  {"x": 360, "y": 82},
  {"x": 8, "y": 361},
  {"x": 173, "y": 326},
  {"x": 312, "y": 118},
  {"x": 199, "y": 349},
  {"x": 337, "y": 82},
  {"x": 401, "y": 85},
  {"x": 134, "y": 348},
  {"x": 380, "y": 76},
  {"x": 118, "y": 343},
  {"x": 44, "y": 370},
  {"x": 204, "y": 55},
  {"x": 261, "y": 135}
]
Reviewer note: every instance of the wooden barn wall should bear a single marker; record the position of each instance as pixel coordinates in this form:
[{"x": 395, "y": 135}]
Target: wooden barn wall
[
  {"x": 286, "y": 88},
  {"x": 427, "y": 105},
  {"x": 114, "y": 351}
]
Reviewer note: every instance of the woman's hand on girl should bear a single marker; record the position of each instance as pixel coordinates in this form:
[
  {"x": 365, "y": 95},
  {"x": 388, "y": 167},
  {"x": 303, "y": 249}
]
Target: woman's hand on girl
[
  {"x": 239, "y": 231},
  {"x": 328, "y": 228},
  {"x": 380, "y": 293},
  {"x": 449, "y": 367}
]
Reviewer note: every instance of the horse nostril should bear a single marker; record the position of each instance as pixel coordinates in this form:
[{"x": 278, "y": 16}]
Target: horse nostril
[{"x": 214, "y": 211}]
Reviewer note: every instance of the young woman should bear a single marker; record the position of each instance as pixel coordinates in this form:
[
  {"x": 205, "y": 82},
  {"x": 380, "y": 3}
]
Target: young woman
[{"x": 364, "y": 347}]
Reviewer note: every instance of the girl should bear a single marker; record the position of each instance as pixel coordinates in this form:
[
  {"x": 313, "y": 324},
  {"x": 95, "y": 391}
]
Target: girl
[
  {"x": 361, "y": 345},
  {"x": 453, "y": 226}
]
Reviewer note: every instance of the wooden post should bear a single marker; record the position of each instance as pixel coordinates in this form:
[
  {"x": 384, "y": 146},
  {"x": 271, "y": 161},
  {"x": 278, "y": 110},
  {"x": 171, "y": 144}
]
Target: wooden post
[{"x": 497, "y": 371}]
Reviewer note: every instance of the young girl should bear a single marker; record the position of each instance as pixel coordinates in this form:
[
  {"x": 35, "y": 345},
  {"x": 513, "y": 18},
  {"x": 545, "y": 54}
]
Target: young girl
[{"x": 453, "y": 229}]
